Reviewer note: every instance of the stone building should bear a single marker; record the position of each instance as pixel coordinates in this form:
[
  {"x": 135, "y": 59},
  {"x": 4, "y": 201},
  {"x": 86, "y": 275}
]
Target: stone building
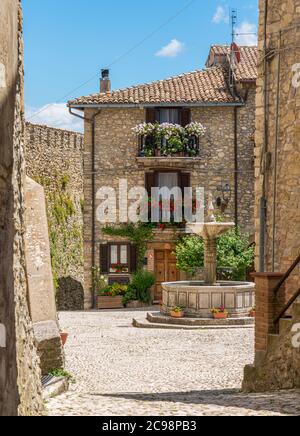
[
  {"x": 54, "y": 159},
  {"x": 20, "y": 377},
  {"x": 222, "y": 98},
  {"x": 277, "y": 207}
]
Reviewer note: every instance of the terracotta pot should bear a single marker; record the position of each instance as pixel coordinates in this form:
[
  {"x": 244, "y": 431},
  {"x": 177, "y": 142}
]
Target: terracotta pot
[
  {"x": 64, "y": 337},
  {"x": 252, "y": 314},
  {"x": 177, "y": 314},
  {"x": 220, "y": 315}
]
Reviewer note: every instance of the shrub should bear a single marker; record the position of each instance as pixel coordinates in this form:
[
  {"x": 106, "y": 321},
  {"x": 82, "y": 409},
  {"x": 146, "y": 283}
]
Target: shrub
[
  {"x": 233, "y": 252},
  {"x": 139, "y": 288}
]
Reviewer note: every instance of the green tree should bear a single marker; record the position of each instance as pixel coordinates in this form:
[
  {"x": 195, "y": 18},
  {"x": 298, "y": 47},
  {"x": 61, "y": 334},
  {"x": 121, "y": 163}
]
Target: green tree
[{"x": 233, "y": 251}]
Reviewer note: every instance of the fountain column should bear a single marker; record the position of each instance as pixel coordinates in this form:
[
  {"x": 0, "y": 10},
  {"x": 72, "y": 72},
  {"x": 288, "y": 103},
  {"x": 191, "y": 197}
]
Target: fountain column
[{"x": 210, "y": 261}]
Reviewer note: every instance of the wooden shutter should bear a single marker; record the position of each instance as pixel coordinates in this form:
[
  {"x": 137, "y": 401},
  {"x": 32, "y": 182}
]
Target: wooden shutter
[
  {"x": 104, "y": 258},
  {"x": 185, "y": 182},
  {"x": 185, "y": 117},
  {"x": 149, "y": 182},
  {"x": 151, "y": 115},
  {"x": 133, "y": 258}
]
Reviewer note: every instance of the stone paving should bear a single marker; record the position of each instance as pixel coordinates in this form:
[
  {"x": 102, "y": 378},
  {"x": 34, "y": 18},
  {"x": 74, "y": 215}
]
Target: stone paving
[{"x": 120, "y": 370}]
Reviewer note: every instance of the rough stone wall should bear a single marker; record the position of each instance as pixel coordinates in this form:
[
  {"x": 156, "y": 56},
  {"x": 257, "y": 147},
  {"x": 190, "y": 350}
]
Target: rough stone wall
[
  {"x": 283, "y": 15},
  {"x": 54, "y": 159},
  {"x": 280, "y": 367},
  {"x": 116, "y": 151},
  {"x": 20, "y": 384}
]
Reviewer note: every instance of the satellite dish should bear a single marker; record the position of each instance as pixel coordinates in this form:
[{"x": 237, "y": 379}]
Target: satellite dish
[{"x": 236, "y": 52}]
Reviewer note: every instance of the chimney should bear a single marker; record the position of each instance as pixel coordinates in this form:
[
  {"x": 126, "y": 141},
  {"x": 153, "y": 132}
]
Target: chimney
[{"x": 104, "y": 81}]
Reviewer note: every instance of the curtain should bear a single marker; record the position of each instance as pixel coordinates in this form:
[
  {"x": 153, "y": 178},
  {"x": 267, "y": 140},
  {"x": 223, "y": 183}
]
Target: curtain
[
  {"x": 170, "y": 181},
  {"x": 169, "y": 116}
]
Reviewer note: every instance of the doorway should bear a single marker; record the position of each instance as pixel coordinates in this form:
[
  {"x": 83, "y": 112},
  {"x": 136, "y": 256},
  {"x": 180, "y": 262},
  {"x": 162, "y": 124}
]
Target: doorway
[{"x": 165, "y": 270}]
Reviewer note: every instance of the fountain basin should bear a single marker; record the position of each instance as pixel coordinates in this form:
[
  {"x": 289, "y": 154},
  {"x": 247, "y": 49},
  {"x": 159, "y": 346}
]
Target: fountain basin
[{"x": 198, "y": 299}]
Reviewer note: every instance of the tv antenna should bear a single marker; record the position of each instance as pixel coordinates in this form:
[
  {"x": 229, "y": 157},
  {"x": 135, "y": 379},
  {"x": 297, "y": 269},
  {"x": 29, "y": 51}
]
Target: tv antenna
[{"x": 234, "y": 19}]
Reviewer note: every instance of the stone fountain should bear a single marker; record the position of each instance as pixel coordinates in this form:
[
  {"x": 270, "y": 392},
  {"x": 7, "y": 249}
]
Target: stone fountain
[{"x": 198, "y": 298}]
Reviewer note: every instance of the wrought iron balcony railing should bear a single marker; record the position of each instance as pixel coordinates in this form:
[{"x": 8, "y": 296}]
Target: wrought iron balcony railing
[{"x": 150, "y": 146}]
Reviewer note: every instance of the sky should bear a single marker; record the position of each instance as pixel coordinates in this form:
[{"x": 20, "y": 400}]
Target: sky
[{"x": 67, "y": 42}]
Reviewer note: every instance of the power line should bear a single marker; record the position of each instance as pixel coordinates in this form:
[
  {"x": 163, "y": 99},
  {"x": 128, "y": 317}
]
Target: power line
[{"x": 128, "y": 52}]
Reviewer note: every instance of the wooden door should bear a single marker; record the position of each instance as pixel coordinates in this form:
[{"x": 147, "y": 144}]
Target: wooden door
[{"x": 165, "y": 270}]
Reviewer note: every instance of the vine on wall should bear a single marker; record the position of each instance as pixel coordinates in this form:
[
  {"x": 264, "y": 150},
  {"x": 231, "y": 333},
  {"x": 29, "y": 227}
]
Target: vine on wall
[{"x": 65, "y": 229}]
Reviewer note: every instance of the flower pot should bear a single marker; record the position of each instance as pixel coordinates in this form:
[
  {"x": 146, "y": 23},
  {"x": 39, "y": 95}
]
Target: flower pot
[
  {"x": 252, "y": 314},
  {"x": 177, "y": 315},
  {"x": 64, "y": 337},
  {"x": 220, "y": 315}
]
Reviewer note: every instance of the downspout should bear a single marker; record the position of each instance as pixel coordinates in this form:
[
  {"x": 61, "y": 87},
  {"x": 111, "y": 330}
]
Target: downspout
[
  {"x": 92, "y": 122},
  {"x": 276, "y": 152},
  {"x": 263, "y": 200},
  {"x": 236, "y": 168}
]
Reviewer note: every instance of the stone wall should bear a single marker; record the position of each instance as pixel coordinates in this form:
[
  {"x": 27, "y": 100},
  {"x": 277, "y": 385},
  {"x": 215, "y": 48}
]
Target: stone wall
[
  {"x": 20, "y": 384},
  {"x": 277, "y": 170},
  {"x": 54, "y": 159},
  {"x": 283, "y": 220},
  {"x": 116, "y": 157}
]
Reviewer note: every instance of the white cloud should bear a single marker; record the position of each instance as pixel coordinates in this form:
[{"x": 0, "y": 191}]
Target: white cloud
[
  {"x": 173, "y": 49},
  {"x": 246, "y": 34},
  {"x": 54, "y": 115},
  {"x": 221, "y": 16}
]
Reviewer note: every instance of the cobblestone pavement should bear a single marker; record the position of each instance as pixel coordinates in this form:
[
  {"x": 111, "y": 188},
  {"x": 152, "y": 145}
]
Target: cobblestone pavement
[{"x": 120, "y": 370}]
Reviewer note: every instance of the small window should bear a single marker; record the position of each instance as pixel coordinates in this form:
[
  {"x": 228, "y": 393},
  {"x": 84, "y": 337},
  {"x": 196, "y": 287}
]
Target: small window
[{"x": 119, "y": 258}]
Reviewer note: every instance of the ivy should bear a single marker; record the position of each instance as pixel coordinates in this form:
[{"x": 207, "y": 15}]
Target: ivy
[{"x": 138, "y": 234}]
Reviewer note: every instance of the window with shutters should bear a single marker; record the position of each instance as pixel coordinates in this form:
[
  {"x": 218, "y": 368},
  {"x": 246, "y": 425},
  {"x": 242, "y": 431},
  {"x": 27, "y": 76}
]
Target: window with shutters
[
  {"x": 119, "y": 258},
  {"x": 169, "y": 179}
]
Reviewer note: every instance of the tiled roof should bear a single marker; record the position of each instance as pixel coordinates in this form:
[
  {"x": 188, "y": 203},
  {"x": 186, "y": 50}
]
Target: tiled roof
[
  {"x": 246, "y": 70},
  {"x": 205, "y": 86}
]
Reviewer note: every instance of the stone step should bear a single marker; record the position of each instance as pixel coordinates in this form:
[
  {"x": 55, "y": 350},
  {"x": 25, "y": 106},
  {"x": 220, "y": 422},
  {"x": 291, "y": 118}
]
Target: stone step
[
  {"x": 145, "y": 324},
  {"x": 296, "y": 311},
  {"x": 273, "y": 341},
  {"x": 284, "y": 325}
]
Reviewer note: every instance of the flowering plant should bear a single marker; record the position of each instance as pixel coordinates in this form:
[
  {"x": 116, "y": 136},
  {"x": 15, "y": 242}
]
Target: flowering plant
[
  {"x": 195, "y": 129},
  {"x": 119, "y": 268},
  {"x": 145, "y": 129},
  {"x": 219, "y": 310},
  {"x": 114, "y": 290},
  {"x": 167, "y": 130}
]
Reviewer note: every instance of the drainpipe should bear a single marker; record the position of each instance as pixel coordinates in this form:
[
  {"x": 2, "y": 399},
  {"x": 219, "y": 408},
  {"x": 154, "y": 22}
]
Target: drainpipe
[
  {"x": 236, "y": 168},
  {"x": 276, "y": 153},
  {"x": 263, "y": 200},
  {"x": 92, "y": 122}
]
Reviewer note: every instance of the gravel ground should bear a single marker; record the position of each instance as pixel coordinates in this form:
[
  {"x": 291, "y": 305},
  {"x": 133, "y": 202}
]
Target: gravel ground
[{"x": 120, "y": 370}]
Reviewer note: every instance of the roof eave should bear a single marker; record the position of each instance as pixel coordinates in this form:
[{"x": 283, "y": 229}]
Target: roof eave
[{"x": 152, "y": 105}]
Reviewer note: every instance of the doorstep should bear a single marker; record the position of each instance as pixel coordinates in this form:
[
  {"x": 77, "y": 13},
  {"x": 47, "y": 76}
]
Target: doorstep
[{"x": 54, "y": 386}]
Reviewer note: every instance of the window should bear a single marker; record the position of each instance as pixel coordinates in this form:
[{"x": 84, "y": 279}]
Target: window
[
  {"x": 118, "y": 258},
  {"x": 169, "y": 116}
]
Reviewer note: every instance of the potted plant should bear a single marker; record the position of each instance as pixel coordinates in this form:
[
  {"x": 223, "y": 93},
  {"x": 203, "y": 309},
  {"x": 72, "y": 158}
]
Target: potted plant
[
  {"x": 177, "y": 312},
  {"x": 219, "y": 313},
  {"x": 64, "y": 337},
  {"x": 138, "y": 293},
  {"x": 111, "y": 297},
  {"x": 252, "y": 312}
]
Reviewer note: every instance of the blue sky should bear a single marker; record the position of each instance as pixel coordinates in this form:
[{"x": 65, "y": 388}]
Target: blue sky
[{"x": 67, "y": 42}]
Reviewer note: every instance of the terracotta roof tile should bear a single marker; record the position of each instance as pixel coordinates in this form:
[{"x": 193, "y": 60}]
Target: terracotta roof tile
[
  {"x": 205, "y": 86},
  {"x": 246, "y": 70}
]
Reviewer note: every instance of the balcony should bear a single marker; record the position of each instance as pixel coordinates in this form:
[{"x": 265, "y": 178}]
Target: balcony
[
  {"x": 152, "y": 147},
  {"x": 169, "y": 141}
]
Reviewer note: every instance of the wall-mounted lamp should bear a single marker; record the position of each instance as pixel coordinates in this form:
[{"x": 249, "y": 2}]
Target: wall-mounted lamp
[{"x": 224, "y": 200}]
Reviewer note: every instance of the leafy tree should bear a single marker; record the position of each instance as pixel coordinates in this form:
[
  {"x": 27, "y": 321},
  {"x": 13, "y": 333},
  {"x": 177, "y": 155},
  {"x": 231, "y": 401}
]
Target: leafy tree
[{"x": 233, "y": 252}]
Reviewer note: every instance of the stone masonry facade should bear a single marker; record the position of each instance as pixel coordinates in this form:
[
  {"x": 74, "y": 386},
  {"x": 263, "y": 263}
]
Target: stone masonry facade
[
  {"x": 116, "y": 157},
  {"x": 20, "y": 383},
  {"x": 54, "y": 158},
  {"x": 277, "y": 168}
]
